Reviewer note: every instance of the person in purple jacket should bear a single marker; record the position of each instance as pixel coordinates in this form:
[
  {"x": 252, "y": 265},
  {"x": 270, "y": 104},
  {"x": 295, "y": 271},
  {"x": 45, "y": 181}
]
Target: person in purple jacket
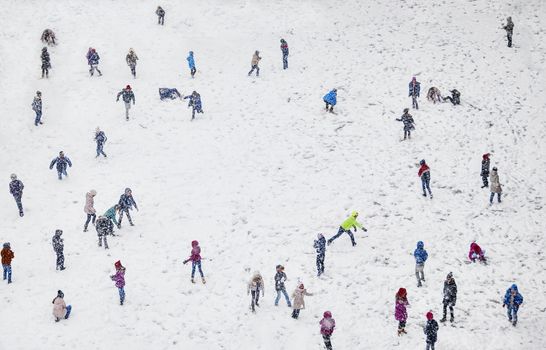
[
  {"x": 119, "y": 278},
  {"x": 195, "y": 259},
  {"x": 400, "y": 312}
]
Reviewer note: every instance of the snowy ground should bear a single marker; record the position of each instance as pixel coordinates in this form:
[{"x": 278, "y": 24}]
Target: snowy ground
[{"x": 256, "y": 177}]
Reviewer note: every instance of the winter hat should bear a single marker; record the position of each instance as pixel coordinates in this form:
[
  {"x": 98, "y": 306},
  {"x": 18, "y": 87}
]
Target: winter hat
[
  {"x": 495, "y": 168},
  {"x": 58, "y": 232},
  {"x": 60, "y": 294},
  {"x": 414, "y": 79},
  {"x": 128, "y": 87},
  {"x": 191, "y": 53},
  {"x": 44, "y": 48},
  {"x": 280, "y": 267},
  {"x": 127, "y": 190},
  {"x": 420, "y": 244},
  {"x": 6, "y": 245},
  {"x": 117, "y": 265},
  {"x": 13, "y": 177},
  {"x": 406, "y": 110},
  {"x": 327, "y": 314},
  {"x": 61, "y": 153},
  {"x": 39, "y": 93},
  {"x": 449, "y": 275},
  {"x": 319, "y": 235},
  {"x": 402, "y": 292},
  {"x": 354, "y": 214},
  {"x": 422, "y": 162},
  {"x": 430, "y": 316},
  {"x": 334, "y": 90},
  {"x": 486, "y": 156},
  {"x": 93, "y": 192},
  {"x": 194, "y": 243},
  {"x": 514, "y": 287}
]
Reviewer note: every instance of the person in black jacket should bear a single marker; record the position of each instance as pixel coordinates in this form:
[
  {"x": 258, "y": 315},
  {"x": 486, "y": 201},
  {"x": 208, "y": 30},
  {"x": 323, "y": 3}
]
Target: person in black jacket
[
  {"x": 450, "y": 296},
  {"x": 280, "y": 278},
  {"x": 320, "y": 246},
  {"x": 160, "y": 15},
  {"x": 58, "y": 247},
  {"x": 509, "y": 27},
  {"x": 126, "y": 203},
  {"x": 16, "y": 189},
  {"x": 104, "y": 227},
  {"x": 46, "y": 62},
  {"x": 431, "y": 331},
  {"x": 455, "y": 97},
  {"x": 485, "y": 170},
  {"x": 62, "y": 162},
  {"x": 409, "y": 123}
]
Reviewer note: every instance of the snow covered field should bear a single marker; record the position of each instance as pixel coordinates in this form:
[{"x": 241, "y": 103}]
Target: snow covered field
[{"x": 265, "y": 169}]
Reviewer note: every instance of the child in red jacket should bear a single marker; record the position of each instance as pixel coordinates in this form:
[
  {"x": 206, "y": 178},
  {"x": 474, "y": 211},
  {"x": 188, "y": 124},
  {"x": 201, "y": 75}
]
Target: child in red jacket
[{"x": 476, "y": 253}]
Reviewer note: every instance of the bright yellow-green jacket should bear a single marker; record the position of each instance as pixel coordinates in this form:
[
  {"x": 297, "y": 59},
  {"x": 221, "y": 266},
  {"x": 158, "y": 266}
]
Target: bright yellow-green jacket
[{"x": 351, "y": 222}]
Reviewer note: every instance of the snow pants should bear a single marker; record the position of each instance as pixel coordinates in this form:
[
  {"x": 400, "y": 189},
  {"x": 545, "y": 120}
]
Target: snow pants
[
  {"x": 90, "y": 218},
  {"x": 419, "y": 273},
  {"x": 61, "y": 172},
  {"x": 126, "y": 211},
  {"x": 493, "y": 196},
  {"x": 255, "y": 294},
  {"x": 295, "y": 313},
  {"x": 320, "y": 263},
  {"x": 327, "y": 341},
  {"x": 38, "y": 118},
  {"x": 7, "y": 272},
  {"x": 340, "y": 232},
  {"x": 509, "y": 37},
  {"x": 161, "y": 20},
  {"x": 60, "y": 260},
  {"x": 103, "y": 238},
  {"x": 414, "y": 102},
  {"x": 19, "y": 203},
  {"x": 284, "y": 61},
  {"x": 92, "y": 68},
  {"x": 426, "y": 185},
  {"x": 197, "y": 264},
  {"x": 512, "y": 312},
  {"x": 100, "y": 150},
  {"x": 430, "y": 346},
  {"x": 255, "y": 66}
]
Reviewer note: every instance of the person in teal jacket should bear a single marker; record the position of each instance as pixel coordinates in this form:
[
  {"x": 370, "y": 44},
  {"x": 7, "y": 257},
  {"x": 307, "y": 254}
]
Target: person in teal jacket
[
  {"x": 111, "y": 214},
  {"x": 330, "y": 99},
  {"x": 346, "y": 226}
]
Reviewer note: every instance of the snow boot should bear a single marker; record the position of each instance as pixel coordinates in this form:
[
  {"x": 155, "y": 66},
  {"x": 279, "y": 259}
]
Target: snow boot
[
  {"x": 443, "y": 319},
  {"x": 452, "y": 319},
  {"x": 192, "y": 280},
  {"x": 203, "y": 279}
]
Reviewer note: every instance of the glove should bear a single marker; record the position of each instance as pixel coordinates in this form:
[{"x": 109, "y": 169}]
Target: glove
[{"x": 503, "y": 305}]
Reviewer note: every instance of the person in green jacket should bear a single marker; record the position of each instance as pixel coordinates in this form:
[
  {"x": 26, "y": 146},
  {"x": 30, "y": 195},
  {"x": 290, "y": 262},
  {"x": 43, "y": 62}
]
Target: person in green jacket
[
  {"x": 346, "y": 226},
  {"x": 111, "y": 214}
]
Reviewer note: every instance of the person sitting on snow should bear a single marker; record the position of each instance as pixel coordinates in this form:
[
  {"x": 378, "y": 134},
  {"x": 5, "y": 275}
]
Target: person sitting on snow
[{"x": 476, "y": 253}]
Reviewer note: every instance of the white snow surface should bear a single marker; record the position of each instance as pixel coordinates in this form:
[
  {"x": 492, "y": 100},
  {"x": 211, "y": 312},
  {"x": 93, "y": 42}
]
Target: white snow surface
[{"x": 265, "y": 169}]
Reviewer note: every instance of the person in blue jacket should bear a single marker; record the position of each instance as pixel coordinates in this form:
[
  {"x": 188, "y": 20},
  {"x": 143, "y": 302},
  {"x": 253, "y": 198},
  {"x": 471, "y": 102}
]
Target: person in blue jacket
[
  {"x": 320, "y": 246},
  {"x": 93, "y": 61},
  {"x": 168, "y": 93},
  {"x": 512, "y": 301},
  {"x": 195, "y": 103},
  {"x": 100, "y": 138},
  {"x": 191, "y": 63},
  {"x": 284, "y": 49},
  {"x": 414, "y": 91},
  {"x": 330, "y": 99},
  {"x": 126, "y": 203},
  {"x": 420, "y": 255},
  {"x": 37, "y": 108},
  {"x": 16, "y": 189},
  {"x": 61, "y": 162}
]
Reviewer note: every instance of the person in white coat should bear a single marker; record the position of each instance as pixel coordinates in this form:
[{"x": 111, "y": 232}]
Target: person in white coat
[{"x": 298, "y": 302}]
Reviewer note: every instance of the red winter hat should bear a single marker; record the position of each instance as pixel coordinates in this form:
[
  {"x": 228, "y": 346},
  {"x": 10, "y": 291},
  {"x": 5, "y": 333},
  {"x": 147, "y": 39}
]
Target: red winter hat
[
  {"x": 430, "y": 316},
  {"x": 194, "y": 243},
  {"x": 128, "y": 87},
  {"x": 402, "y": 292},
  {"x": 486, "y": 156},
  {"x": 117, "y": 264},
  {"x": 327, "y": 314}
]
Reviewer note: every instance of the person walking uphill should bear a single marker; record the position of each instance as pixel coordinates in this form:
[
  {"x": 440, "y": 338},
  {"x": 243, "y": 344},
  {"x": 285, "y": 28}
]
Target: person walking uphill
[
  {"x": 255, "y": 285},
  {"x": 104, "y": 227},
  {"x": 431, "y": 331},
  {"x": 485, "y": 169},
  {"x": 424, "y": 174},
  {"x": 89, "y": 209},
  {"x": 195, "y": 258},
  {"x": 60, "y": 309},
  {"x": 46, "y": 62},
  {"x": 409, "y": 123},
  {"x": 195, "y": 103},
  {"x": 254, "y": 63},
  {"x": 320, "y": 246},
  {"x": 119, "y": 278},
  {"x": 100, "y": 138},
  {"x": 280, "y": 278},
  {"x": 414, "y": 92},
  {"x": 126, "y": 203},
  {"x": 284, "y": 50},
  {"x": 128, "y": 96},
  {"x": 160, "y": 15},
  {"x": 16, "y": 189},
  {"x": 131, "y": 60},
  {"x": 421, "y": 256},
  {"x": 298, "y": 302},
  {"x": 512, "y": 301},
  {"x": 62, "y": 162},
  {"x": 327, "y": 325},
  {"x": 331, "y": 100},
  {"x": 400, "y": 312},
  {"x": 58, "y": 248},
  {"x": 7, "y": 256},
  {"x": 509, "y": 27},
  {"x": 450, "y": 296},
  {"x": 346, "y": 227},
  {"x": 93, "y": 61},
  {"x": 495, "y": 186},
  {"x": 37, "y": 108},
  {"x": 191, "y": 63}
]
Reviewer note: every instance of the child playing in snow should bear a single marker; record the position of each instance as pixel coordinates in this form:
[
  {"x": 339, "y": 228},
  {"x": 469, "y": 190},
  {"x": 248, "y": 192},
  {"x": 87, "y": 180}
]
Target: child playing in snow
[
  {"x": 400, "y": 313},
  {"x": 420, "y": 255},
  {"x": 512, "y": 301},
  {"x": 195, "y": 259},
  {"x": 327, "y": 325},
  {"x": 297, "y": 300},
  {"x": 431, "y": 331},
  {"x": 60, "y": 309},
  {"x": 119, "y": 278},
  {"x": 255, "y": 285},
  {"x": 476, "y": 253},
  {"x": 7, "y": 256}
]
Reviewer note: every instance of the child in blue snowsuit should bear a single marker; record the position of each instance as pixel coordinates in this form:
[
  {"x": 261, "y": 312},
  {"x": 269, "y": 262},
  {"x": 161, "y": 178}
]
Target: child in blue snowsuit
[
  {"x": 330, "y": 99},
  {"x": 191, "y": 63},
  {"x": 93, "y": 61},
  {"x": 165, "y": 93},
  {"x": 61, "y": 162},
  {"x": 512, "y": 301},
  {"x": 320, "y": 246},
  {"x": 195, "y": 103},
  {"x": 421, "y": 256},
  {"x": 100, "y": 138},
  {"x": 37, "y": 108}
]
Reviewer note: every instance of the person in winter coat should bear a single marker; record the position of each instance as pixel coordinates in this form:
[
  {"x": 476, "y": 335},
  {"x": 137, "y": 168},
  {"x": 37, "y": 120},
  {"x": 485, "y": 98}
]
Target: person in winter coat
[
  {"x": 434, "y": 95},
  {"x": 48, "y": 37},
  {"x": 414, "y": 91},
  {"x": 320, "y": 246},
  {"x": 111, "y": 214},
  {"x": 100, "y": 139},
  {"x": 431, "y": 331},
  {"x": 128, "y": 96},
  {"x": 16, "y": 189},
  {"x": 254, "y": 63},
  {"x": 169, "y": 93},
  {"x": 331, "y": 100},
  {"x": 191, "y": 63},
  {"x": 119, "y": 278},
  {"x": 131, "y": 60},
  {"x": 297, "y": 300},
  {"x": 346, "y": 227},
  {"x": 485, "y": 169},
  {"x": 409, "y": 123},
  {"x": 424, "y": 174},
  {"x": 37, "y": 108},
  {"x": 450, "y": 296},
  {"x": 476, "y": 253},
  {"x": 195, "y": 258},
  {"x": 495, "y": 186},
  {"x": 255, "y": 285},
  {"x": 280, "y": 278},
  {"x": 89, "y": 209},
  {"x": 160, "y": 15},
  {"x": 7, "y": 256},
  {"x": 58, "y": 248},
  {"x": 400, "y": 312},
  {"x": 62, "y": 161},
  {"x": 512, "y": 301},
  {"x": 60, "y": 309},
  {"x": 46, "y": 62},
  {"x": 195, "y": 103},
  {"x": 509, "y": 27},
  {"x": 126, "y": 203},
  {"x": 104, "y": 227},
  {"x": 455, "y": 97},
  {"x": 93, "y": 61},
  {"x": 284, "y": 50},
  {"x": 327, "y": 326},
  {"x": 420, "y": 255}
]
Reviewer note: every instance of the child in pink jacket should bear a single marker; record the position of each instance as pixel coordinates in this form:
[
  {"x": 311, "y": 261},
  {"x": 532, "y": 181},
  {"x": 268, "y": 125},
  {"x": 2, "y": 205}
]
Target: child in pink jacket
[
  {"x": 195, "y": 258},
  {"x": 119, "y": 278},
  {"x": 327, "y": 325}
]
